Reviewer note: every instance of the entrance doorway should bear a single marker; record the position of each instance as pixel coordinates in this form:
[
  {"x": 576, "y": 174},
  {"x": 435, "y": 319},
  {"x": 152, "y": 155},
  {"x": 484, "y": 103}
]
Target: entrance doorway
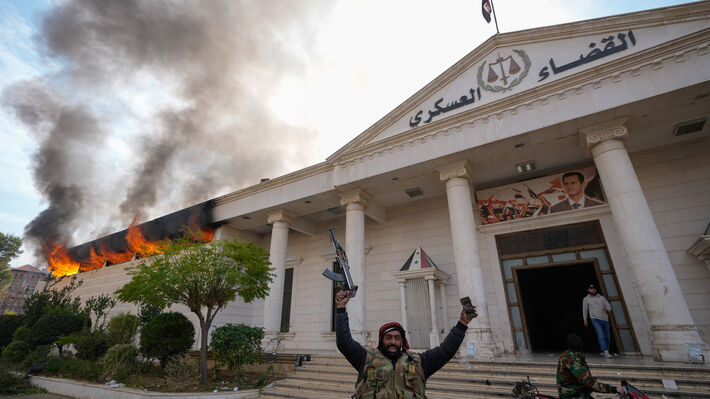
[
  {"x": 552, "y": 305},
  {"x": 545, "y": 273}
]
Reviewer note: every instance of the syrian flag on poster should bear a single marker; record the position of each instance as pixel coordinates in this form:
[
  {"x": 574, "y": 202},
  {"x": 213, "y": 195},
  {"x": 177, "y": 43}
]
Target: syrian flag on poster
[{"x": 486, "y": 9}]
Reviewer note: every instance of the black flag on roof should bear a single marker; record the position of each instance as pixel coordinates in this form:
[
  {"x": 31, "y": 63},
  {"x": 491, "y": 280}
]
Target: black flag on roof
[{"x": 486, "y": 9}]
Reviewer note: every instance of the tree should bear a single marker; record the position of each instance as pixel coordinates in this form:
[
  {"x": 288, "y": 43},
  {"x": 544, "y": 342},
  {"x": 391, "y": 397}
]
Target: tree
[
  {"x": 122, "y": 328},
  {"x": 55, "y": 325},
  {"x": 8, "y": 325},
  {"x": 234, "y": 345},
  {"x": 9, "y": 249},
  {"x": 166, "y": 336},
  {"x": 51, "y": 299},
  {"x": 99, "y": 307},
  {"x": 202, "y": 276}
]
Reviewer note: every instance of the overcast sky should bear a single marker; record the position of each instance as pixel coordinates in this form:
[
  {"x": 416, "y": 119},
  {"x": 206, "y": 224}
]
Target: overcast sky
[{"x": 145, "y": 107}]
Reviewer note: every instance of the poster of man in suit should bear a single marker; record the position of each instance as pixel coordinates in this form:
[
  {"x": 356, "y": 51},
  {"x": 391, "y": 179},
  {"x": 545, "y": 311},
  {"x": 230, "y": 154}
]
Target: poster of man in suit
[{"x": 571, "y": 190}]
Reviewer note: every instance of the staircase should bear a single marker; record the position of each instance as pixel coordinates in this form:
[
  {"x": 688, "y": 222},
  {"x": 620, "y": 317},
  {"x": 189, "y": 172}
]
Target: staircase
[{"x": 326, "y": 377}]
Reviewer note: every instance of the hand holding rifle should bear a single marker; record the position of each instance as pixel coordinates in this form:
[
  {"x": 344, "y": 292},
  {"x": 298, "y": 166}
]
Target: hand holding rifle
[{"x": 344, "y": 279}]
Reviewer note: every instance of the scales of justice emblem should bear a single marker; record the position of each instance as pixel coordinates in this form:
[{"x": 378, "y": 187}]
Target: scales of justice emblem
[{"x": 505, "y": 73}]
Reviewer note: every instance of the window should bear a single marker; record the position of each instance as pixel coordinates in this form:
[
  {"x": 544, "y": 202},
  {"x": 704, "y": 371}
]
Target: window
[{"x": 286, "y": 305}]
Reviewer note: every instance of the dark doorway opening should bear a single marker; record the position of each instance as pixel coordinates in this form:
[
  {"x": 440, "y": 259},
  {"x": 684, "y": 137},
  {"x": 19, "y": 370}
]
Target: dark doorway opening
[{"x": 552, "y": 305}]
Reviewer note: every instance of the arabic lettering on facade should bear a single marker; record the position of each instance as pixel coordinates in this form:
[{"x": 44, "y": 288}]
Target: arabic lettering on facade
[
  {"x": 505, "y": 73},
  {"x": 475, "y": 94},
  {"x": 610, "y": 47}
]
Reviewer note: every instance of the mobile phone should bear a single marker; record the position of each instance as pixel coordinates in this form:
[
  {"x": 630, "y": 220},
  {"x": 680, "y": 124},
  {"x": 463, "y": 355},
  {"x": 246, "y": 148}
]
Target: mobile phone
[{"x": 469, "y": 308}]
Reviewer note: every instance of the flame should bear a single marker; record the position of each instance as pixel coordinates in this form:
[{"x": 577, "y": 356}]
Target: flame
[
  {"x": 137, "y": 242},
  {"x": 114, "y": 257},
  {"x": 62, "y": 263},
  {"x": 95, "y": 261}
]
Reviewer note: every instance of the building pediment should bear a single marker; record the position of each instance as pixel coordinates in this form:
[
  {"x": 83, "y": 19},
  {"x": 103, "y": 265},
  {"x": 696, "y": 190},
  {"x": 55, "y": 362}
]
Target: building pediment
[{"x": 519, "y": 67}]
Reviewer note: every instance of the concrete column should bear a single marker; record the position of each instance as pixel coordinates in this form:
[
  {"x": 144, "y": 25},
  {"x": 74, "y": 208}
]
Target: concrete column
[
  {"x": 273, "y": 303},
  {"x": 403, "y": 300},
  {"x": 445, "y": 319},
  {"x": 672, "y": 326},
  {"x": 355, "y": 203},
  {"x": 434, "y": 334},
  {"x": 469, "y": 273}
]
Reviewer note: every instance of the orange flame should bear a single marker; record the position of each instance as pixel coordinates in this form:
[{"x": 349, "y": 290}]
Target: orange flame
[
  {"x": 114, "y": 257},
  {"x": 138, "y": 244},
  {"x": 61, "y": 262}
]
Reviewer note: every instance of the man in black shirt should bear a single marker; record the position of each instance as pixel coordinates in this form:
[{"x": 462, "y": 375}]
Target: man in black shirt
[{"x": 390, "y": 369}]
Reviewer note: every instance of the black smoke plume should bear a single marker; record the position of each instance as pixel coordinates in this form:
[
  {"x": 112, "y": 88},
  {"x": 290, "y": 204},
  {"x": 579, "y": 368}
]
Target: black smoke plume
[{"x": 206, "y": 70}]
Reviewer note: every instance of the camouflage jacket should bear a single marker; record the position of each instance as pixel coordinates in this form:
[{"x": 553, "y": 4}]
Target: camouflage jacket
[
  {"x": 383, "y": 379},
  {"x": 574, "y": 380}
]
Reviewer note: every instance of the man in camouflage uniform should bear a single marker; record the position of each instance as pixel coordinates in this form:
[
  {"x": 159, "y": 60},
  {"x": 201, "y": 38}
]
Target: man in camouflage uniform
[
  {"x": 390, "y": 370},
  {"x": 574, "y": 380}
]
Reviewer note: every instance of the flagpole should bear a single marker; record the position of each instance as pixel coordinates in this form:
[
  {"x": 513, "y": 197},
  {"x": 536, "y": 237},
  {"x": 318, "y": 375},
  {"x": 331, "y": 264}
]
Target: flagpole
[{"x": 493, "y": 9}]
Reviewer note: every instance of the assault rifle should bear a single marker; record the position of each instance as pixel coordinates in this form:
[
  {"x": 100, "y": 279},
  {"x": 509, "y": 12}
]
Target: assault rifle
[{"x": 340, "y": 257}]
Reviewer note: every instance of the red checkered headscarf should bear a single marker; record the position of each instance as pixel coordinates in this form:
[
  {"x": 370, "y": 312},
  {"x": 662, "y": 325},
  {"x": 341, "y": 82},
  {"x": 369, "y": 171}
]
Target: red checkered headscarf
[{"x": 394, "y": 326}]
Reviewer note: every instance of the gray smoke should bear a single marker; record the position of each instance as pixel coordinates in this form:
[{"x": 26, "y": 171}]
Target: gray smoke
[
  {"x": 218, "y": 61},
  {"x": 63, "y": 166}
]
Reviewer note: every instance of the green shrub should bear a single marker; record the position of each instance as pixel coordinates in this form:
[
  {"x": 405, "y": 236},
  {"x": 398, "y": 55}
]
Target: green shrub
[
  {"x": 13, "y": 385},
  {"x": 121, "y": 329},
  {"x": 8, "y": 325},
  {"x": 50, "y": 327},
  {"x": 73, "y": 368},
  {"x": 120, "y": 359},
  {"x": 183, "y": 368},
  {"x": 91, "y": 345},
  {"x": 40, "y": 354},
  {"x": 15, "y": 352},
  {"x": 148, "y": 313},
  {"x": 21, "y": 334},
  {"x": 234, "y": 345},
  {"x": 167, "y": 335}
]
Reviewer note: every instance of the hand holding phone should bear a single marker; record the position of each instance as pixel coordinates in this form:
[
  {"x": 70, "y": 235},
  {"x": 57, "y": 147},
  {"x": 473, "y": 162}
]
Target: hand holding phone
[{"x": 468, "y": 307}]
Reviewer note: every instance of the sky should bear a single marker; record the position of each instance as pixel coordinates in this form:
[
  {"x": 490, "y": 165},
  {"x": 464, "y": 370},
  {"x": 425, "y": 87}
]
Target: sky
[{"x": 120, "y": 110}]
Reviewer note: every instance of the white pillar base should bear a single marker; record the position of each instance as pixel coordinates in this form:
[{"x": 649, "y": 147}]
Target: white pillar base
[
  {"x": 480, "y": 340},
  {"x": 670, "y": 344}
]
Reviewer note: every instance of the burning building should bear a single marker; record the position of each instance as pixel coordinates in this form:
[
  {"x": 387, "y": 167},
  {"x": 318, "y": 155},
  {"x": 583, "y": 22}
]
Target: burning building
[
  {"x": 523, "y": 183},
  {"x": 138, "y": 241}
]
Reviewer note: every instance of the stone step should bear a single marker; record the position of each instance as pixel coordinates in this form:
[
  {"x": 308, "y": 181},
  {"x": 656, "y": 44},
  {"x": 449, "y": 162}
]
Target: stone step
[
  {"x": 508, "y": 379},
  {"x": 691, "y": 378},
  {"x": 326, "y": 377},
  {"x": 447, "y": 382}
]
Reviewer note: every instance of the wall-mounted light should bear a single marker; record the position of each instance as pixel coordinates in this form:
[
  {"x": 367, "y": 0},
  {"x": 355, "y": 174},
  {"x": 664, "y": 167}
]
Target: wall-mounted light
[{"x": 525, "y": 167}]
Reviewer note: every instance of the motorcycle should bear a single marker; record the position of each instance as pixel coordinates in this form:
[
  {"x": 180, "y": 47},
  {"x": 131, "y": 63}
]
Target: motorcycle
[{"x": 527, "y": 390}]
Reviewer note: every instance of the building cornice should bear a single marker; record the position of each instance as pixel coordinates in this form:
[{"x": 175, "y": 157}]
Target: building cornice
[
  {"x": 609, "y": 73},
  {"x": 292, "y": 177},
  {"x": 657, "y": 17}
]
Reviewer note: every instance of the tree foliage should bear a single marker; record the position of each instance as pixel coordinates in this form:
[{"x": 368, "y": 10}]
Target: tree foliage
[
  {"x": 167, "y": 335},
  {"x": 52, "y": 300},
  {"x": 202, "y": 276},
  {"x": 90, "y": 344},
  {"x": 122, "y": 328},
  {"x": 55, "y": 325},
  {"x": 98, "y": 308},
  {"x": 234, "y": 345},
  {"x": 147, "y": 313},
  {"x": 9, "y": 249},
  {"x": 8, "y": 325},
  {"x": 15, "y": 352}
]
